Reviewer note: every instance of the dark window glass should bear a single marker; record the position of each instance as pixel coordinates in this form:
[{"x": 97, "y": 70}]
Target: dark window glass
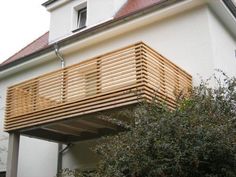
[
  {"x": 2, "y": 174},
  {"x": 82, "y": 17}
]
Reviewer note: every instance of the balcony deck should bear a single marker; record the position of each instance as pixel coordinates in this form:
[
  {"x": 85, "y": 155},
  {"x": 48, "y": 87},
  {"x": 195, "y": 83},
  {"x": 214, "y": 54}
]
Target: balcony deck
[{"x": 64, "y": 105}]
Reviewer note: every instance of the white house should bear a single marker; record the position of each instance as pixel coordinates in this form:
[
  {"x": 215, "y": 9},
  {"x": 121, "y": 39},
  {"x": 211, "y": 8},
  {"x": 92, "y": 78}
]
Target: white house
[{"x": 95, "y": 54}]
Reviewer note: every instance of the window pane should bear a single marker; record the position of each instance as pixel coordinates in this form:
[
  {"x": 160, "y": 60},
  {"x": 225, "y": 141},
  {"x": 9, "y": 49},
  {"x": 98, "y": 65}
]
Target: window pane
[{"x": 82, "y": 16}]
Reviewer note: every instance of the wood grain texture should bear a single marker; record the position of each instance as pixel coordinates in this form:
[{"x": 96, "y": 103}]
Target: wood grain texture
[{"x": 116, "y": 79}]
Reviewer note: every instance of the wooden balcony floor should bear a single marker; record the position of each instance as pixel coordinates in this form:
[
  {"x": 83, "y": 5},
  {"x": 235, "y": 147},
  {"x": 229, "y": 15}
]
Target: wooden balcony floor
[{"x": 79, "y": 128}]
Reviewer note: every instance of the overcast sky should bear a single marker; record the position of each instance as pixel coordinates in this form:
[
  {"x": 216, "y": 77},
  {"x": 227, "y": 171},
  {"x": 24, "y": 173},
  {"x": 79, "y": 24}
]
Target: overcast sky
[{"x": 22, "y": 21}]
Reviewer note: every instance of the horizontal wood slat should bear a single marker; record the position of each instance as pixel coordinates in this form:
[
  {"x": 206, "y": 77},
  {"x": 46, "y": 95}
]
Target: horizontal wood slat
[{"x": 116, "y": 79}]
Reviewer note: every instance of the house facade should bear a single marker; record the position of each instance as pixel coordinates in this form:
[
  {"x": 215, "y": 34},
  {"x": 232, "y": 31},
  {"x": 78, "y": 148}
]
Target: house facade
[{"x": 95, "y": 54}]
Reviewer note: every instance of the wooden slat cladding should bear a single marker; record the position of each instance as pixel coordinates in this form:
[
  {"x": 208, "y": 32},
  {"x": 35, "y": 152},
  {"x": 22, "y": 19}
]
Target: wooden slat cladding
[{"x": 112, "y": 80}]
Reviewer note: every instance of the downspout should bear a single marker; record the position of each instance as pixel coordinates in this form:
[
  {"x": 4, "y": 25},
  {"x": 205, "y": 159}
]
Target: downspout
[
  {"x": 58, "y": 54},
  {"x": 60, "y": 146},
  {"x": 59, "y": 158}
]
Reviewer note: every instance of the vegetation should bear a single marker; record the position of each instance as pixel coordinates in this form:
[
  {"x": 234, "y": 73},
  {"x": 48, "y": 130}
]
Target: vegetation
[{"x": 198, "y": 139}]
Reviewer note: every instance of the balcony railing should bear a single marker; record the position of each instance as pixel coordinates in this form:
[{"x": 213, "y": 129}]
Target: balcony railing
[{"x": 116, "y": 79}]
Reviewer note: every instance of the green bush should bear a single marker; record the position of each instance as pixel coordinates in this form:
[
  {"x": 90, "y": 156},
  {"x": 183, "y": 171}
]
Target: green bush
[{"x": 198, "y": 139}]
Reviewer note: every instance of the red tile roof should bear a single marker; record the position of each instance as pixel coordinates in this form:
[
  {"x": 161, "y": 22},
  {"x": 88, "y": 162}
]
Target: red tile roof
[
  {"x": 36, "y": 45},
  {"x": 131, "y": 6}
]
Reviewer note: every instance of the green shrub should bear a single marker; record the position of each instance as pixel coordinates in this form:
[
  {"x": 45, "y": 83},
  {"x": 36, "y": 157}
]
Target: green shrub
[{"x": 198, "y": 139}]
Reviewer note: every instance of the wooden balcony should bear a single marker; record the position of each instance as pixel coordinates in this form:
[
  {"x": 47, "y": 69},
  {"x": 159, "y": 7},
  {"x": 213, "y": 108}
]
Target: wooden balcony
[{"x": 64, "y": 105}]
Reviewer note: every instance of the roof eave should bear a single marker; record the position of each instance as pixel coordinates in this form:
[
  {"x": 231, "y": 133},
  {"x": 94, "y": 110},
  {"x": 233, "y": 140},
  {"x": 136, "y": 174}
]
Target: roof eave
[
  {"x": 49, "y": 2},
  {"x": 231, "y": 6}
]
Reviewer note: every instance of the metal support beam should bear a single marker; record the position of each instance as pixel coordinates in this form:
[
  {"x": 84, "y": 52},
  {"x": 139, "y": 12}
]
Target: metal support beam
[{"x": 12, "y": 157}]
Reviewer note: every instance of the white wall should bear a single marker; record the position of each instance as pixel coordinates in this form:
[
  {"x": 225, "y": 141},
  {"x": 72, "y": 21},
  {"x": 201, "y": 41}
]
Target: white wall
[
  {"x": 102, "y": 10},
  {"x": 63, "y": 18},
  {"x": 80, "y": 155},
  {"x": 190, "y": 39},
  {"x": 185, "y": 43},
  {"x": 3, "y": 136},
  {"x": 223, "y": 46},
  {"x": 37, "y": 158}
]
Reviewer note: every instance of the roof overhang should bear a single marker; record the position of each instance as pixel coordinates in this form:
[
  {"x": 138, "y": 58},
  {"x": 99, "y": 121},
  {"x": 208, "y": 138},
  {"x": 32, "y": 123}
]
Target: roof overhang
[
  {"x": 231, "y": 4},
  {"x": 222, "y": 9},
  {"x": 53, "y": 4},
  {"x": 49, "y": 2}
]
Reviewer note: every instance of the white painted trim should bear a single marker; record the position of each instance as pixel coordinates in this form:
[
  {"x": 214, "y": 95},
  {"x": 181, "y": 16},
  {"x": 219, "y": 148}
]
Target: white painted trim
[
  {"x": 34, "y": 62},
  {"x": 57, "y": 4}
]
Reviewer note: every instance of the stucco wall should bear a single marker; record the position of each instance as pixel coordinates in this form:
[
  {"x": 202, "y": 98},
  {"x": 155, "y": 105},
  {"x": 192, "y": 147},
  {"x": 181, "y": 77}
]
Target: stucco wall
[
  {"x": 223, "y": 46},
  {"x": 80, "y": 155},
  {"x": 3, "y": 136},
  {"x": 190, "y": 39},
  {"x": 102, "y": 10},
  {"x": 63, "y": 18},
  {"x": 180, "y": 40}
]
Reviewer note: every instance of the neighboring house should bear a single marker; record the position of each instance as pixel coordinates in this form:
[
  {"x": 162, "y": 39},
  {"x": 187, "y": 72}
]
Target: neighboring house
[{"x": 121, "y": 38}]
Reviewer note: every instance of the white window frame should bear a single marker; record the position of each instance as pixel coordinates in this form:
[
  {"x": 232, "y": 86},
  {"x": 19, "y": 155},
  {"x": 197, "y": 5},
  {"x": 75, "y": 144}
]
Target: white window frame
[{"x": 75, "y": 16}]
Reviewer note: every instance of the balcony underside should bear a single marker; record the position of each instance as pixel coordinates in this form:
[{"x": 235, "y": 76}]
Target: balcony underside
[
  {"x": 65, "y": 105},
  {"x": 80, "y": 128}
]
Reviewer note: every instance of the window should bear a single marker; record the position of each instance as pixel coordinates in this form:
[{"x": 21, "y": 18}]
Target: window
[
  {"x": 82, "y": 17},
  {"x": 79, "y": 16}
]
